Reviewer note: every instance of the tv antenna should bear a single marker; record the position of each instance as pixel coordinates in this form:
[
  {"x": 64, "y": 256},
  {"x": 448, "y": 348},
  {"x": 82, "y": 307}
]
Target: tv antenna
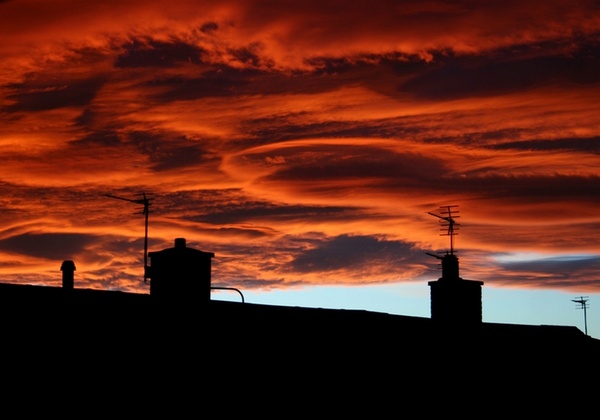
[
  {"x": 449, "y": 225},
  {"x": 145, "y": 201},
  {"x": 583, "y": 305}
]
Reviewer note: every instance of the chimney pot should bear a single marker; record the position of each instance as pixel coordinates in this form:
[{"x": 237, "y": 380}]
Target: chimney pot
[
  {"x": 67, "y": 265},
  {"x": 68, "y": 280}
]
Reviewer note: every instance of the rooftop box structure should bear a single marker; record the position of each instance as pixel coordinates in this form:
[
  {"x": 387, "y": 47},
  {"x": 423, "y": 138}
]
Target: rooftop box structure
[
  {"x": 180, "y": 273},
  {"x": 454, "y": 299}
]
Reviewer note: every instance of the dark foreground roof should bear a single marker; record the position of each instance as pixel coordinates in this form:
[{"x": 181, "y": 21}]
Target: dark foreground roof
[{"x": 116, "y": 336}]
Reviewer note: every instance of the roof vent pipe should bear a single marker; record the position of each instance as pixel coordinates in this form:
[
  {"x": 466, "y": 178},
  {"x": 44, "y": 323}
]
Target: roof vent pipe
[{"x": 68, "y": 274}]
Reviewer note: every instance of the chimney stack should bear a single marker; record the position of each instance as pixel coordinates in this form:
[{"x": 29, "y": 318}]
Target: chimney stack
[
  {"x": 180, "y": 274},
  {"x": 68, "y": 274},
  {"x": 454, "y": 299}
]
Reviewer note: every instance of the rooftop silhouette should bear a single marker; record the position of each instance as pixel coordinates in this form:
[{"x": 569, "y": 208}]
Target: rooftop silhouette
[
  {"x": 180, "y": 314},
  {"x": 178, "y": 329}
]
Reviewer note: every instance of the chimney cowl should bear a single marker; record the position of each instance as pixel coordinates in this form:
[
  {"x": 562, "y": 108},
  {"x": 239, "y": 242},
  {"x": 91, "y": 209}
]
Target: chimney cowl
[{"x": 67, "y": 265}]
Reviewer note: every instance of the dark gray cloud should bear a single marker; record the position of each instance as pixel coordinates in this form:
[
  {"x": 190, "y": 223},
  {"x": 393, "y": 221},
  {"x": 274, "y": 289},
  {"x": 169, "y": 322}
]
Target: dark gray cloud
[
  {"x": 164, "y": 151},
  {"x": 256, "y": 211},
  {"x": 230, "y": 206},
  {"x": 149, "y": 52},
  {"x": 177, "y": 157},
  {"x": 212, "y": 84},
  {"x": 562, "y": 267},
  {"x": 167, "y": 151},
  {"x": 56, "y": 246},
  {"x": 533, "y": 188},
  {"x": 100, "y": 137},
  {"x": 554, "y": 272},
  {"x": 346, "y": 161},
  {"x": 506, "y": 70},
  {"x": 248, "y": 74},
  {"x": 282, "y": 128},
  {"x": 577, "y": 144},
  {"x": 349, "y": 252},
  {"x": 209, "y": 27},
  {"x": 222, "y": 80},
  {"x": 42, "y": 95}
]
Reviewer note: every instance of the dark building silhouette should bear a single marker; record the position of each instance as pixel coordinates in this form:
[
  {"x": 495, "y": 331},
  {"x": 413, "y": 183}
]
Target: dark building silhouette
[
  {"x": 453, "y": 299},
  {"x": 177, "y": 348},
  {"x": 180, "y": 273}
]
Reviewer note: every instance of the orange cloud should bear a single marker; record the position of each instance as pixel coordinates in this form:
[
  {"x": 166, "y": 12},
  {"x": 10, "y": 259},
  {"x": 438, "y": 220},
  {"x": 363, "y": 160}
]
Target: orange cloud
[{"x": 284, "y": 135}]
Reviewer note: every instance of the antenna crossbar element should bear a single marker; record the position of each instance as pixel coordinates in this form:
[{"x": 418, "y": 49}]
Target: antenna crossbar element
[
  {"x": 447, "y": 217},
  {"x": 434, "y": 255},
  {"x": 145, "y": 201}
]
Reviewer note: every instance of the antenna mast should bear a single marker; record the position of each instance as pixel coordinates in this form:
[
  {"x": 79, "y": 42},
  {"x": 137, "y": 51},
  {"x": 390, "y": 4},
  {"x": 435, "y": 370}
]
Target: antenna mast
[
  {"x": 145, "y": 201},
  {"x": 448, "y": 214},
  {"x": 583, "y": 305}
]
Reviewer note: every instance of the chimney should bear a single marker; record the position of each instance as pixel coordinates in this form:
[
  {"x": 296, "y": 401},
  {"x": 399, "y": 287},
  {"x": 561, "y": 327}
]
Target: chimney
[
  {"x": 454, "y": 299},
  {"x": 450, "y": 267},
  {"x": 68, "y": 274},
  {"x": 180, "y": 274}
]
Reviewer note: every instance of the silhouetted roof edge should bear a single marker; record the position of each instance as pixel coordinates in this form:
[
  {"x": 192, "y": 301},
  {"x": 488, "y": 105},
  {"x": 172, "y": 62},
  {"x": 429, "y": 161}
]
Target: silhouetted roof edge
[{"x": 40, "y": 298}]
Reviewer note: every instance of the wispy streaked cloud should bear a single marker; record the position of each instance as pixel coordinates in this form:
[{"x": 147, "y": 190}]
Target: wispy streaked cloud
[{"x": 301, "y": 142}]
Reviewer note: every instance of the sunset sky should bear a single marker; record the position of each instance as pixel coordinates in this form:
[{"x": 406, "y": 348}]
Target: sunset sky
[{"x": 305, "y": 143}]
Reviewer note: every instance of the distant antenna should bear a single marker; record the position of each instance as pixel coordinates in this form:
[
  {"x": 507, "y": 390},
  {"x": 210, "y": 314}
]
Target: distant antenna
[
  {"x": 583, "y": 305},
  {"x": 145, "y": 201},
  {"x": 449, "y": 225}
]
